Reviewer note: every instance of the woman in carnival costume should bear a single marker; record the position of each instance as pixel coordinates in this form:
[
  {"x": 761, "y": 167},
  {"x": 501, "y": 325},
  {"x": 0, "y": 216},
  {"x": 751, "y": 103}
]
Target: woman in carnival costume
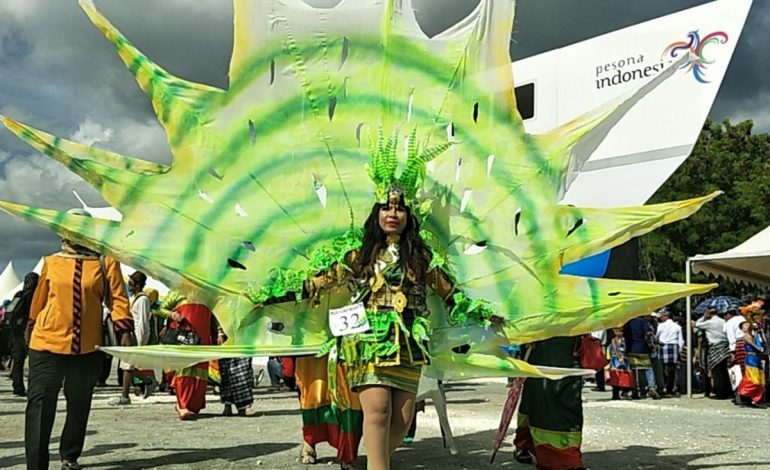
[{"x": 390, "y": 276}]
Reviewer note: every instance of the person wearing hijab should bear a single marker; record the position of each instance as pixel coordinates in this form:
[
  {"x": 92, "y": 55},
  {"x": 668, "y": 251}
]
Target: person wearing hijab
[
  {"x": 22, "y": 301},
  {"x": 64, "y": 330}
]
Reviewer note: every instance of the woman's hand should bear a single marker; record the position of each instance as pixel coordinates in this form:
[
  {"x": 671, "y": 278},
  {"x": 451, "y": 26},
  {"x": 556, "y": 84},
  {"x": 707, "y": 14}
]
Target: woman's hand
[
  {"x": 176, "y": 316},
  {"x": 496, "y": 320}
]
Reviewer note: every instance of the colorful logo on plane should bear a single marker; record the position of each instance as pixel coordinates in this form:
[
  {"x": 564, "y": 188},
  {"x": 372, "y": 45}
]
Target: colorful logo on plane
[{"x": 695, "y": 47}]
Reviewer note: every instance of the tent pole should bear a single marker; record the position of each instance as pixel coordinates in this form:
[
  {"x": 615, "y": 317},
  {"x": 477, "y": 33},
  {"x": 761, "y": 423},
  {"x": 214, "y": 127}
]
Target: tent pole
[{"x": 688, "y": 327}]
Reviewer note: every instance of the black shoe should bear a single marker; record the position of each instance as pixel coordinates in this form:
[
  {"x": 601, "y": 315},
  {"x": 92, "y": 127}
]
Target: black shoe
[
  {"x": 71, "y": 466},
  {"x": 20, "y": 393},
  {"x": 522, "y": 456}
]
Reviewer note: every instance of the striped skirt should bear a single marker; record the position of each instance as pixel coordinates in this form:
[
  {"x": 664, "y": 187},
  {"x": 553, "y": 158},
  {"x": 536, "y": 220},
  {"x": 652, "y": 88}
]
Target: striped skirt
[{"x": 739, "y": 357}]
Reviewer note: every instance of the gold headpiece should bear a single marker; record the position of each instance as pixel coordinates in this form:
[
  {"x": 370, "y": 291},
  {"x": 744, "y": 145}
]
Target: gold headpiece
[{"x": 394, "y": 195}]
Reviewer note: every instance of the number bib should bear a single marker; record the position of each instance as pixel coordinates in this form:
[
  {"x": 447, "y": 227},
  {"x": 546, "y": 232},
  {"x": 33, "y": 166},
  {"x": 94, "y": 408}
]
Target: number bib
[{"x": 348, "y": 320}]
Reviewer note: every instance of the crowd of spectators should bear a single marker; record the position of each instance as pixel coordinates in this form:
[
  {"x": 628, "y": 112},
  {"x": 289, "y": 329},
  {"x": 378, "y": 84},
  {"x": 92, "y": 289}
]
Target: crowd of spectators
[{"x": 648, "y": 355}]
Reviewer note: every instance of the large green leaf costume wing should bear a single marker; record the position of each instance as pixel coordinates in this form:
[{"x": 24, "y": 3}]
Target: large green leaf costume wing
[{"x": 270, "y": 172}]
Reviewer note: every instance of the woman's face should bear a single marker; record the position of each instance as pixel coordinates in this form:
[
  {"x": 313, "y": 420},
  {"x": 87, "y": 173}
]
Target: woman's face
[{"x": 392, "y": 219}]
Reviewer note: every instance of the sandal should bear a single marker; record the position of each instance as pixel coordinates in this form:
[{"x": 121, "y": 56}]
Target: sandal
[
  {"x": 247, "y": 412},
  {"x": 307, "y": 456},
  {"x": 186, "y": 416},
  {"x": 522, "y": 456}
]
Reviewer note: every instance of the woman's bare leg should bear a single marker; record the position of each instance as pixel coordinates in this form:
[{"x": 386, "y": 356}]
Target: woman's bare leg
[
  {"x": 376, "y": 405},
  {"x": 401, "y": 417}
]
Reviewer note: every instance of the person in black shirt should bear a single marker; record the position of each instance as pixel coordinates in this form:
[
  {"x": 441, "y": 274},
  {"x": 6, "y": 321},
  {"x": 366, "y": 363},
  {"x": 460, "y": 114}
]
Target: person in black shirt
[{"x": 18, "y": 321}]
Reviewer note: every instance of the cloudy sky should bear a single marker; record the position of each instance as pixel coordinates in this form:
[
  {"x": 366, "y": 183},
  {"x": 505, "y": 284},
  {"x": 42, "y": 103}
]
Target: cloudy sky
[{"x": 59, "y": 74}]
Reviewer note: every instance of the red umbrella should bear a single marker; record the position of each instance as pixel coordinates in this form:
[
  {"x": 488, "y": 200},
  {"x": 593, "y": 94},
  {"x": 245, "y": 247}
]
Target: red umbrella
[{"x": 514, "y": 394}]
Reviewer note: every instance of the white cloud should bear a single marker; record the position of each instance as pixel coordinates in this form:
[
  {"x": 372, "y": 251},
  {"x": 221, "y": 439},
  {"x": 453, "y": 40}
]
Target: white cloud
[
  {"x": 21, "y": 9},
  {"x": 90, "y": 133},
  {"x": 142, "y": 139}
]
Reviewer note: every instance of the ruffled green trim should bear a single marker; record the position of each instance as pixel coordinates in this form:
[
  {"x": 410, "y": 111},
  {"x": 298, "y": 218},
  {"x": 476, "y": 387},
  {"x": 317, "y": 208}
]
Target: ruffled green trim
[
  {"x": 421, "y": 333},
  {"x": 286, "y": 281},
  {"x": 477, "y": 311},
  {"x": 326, "y": 347},
  {"x": 366, "y": 347}
]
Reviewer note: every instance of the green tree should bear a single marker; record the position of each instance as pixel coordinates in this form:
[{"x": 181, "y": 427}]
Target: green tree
[{"x": 726, "y": 157}]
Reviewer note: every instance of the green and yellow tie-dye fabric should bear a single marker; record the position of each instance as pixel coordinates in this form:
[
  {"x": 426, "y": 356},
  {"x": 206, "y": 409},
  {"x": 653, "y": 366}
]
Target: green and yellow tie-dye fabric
[{"x": 272, "y": 169}]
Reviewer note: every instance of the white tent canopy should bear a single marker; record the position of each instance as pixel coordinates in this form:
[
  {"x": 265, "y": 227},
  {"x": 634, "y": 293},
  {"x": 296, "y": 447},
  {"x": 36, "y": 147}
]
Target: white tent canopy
[
  {"x": 8, "y": 280},
  {"x": 748, "y": 262},
  {"x": 9, "y": 292}
]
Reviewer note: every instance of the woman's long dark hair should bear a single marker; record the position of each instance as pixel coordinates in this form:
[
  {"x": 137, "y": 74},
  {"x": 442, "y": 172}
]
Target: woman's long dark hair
[{"x": 414, "y": 256}]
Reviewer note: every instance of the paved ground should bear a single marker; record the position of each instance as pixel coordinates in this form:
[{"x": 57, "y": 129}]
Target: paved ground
[{"x": 667, "y": 434}]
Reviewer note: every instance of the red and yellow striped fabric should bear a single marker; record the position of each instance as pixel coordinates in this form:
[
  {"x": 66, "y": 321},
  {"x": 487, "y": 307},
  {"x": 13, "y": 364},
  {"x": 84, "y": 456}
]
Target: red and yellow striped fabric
[{"x": 323, "y": 421}]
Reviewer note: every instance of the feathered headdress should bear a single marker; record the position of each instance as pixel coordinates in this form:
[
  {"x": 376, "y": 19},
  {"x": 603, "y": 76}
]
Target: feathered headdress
[{"x": 383, "y": 163}]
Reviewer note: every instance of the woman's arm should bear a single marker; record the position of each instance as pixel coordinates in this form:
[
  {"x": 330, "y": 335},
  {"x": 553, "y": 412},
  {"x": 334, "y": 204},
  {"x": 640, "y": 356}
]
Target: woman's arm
[
  {"x": 122, "y": 320},
  {"x": 749, "y": 338},
  {"x": 39, "y": 299},
  {"x": 336, "y": 275},
  {"x": 141, "y": 308},
  {"x": 438, "y": 280}
]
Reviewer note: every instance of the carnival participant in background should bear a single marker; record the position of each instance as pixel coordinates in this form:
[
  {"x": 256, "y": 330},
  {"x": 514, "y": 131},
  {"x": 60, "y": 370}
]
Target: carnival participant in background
[
  {"x": 391, "y": 276},
  {"x": 621, "y": 377},
  {"x": 191, "y": 382},
  {"x": 601, "y": 335},
  {"x": 140, "y": 311},
  {"x": 734, "y": 335},
  {"x": 275, "y": 372},
  {"x": 550, "y": 419},
  {"x": 718, "y": 351},
  {"x": 237, "y": 378},
  {"x": 752, "y": 385},
  {"x": 65, "y": 327},
  {"x": 419, "y": 407},
  {"x": 670, "y": 343},
  {"x": 638, "y": 334},
  {"x": 6, "y": 337},
  {"x": 17, "y": 318}
]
